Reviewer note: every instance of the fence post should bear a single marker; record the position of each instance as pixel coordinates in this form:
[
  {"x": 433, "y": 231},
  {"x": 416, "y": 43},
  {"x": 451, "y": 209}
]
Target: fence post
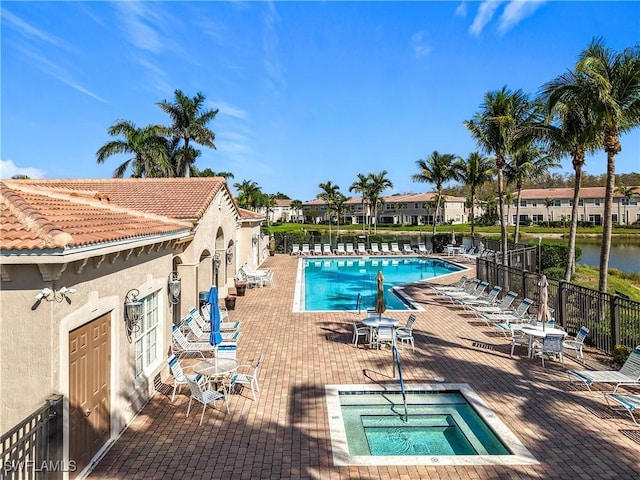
[
  {"x": 615, "y": 321},
  {"x": 55, "y": 434},
  {"x": 562, "y": 302}
]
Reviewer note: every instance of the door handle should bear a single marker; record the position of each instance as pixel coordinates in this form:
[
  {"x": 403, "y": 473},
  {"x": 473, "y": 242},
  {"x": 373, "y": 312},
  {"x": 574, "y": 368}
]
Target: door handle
[{"x": 87, "y": 412}]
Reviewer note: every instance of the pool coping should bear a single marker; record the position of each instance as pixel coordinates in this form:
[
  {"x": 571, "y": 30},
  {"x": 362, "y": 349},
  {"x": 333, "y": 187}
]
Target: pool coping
[
  {"x": 299, "y": 290},
  {"x": 340, "y": 448}
]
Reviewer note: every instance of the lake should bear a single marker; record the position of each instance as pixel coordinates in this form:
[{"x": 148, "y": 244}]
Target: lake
[{"x": 624, "y": 255}]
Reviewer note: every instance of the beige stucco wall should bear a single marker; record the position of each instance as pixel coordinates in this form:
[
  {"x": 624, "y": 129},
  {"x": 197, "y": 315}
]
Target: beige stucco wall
[{"x": 34, "y": 347}]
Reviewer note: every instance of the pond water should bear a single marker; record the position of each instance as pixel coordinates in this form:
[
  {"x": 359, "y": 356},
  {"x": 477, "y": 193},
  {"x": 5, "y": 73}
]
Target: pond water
[{"x": 624, "y": 254}]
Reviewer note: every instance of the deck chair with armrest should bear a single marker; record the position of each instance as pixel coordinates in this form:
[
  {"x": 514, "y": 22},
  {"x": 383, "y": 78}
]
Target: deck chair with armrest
[
  {"x": 349, "y": 249},
  {"x": 395, "y": 249},
  {"x": 224, "y": 325},
  {"x": 340, "y": 249},
  {"x": 295, "y": 249},
  {"x": 374, "y": 249},
  {"x": 628, "y": 375},
  {"x": 326, "y": 249},
  {"x": 407, "y": 250},
  {"x": 488, "y": 300},
  {"x": 181, "y": 346},
  {"x": 385, "y": 249},
  {"x": 577, "y": 342},
  {"x": 422, "y": 249},
  {"x": 361, "y": 250},
  {"x": 317, "y": 249},
  {"x": 502, "y": 307},
  {"x": 305, "y": 252},
  {"x": 460, "y": 285},
  {"x": 471, "y": 294},
  {"x": 619, "y": 401},
  {"x": 200, "y": 336}
]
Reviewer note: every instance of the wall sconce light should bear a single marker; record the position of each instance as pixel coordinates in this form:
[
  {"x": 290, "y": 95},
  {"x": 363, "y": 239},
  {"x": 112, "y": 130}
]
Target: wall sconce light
[
  {"x": 254, "y": 239},
  {"x": 229, "y": 255},
  {"x": 132, "y": 311},
  {"x": 44, "y": 294},
  {"x": 174, "y": 288}
]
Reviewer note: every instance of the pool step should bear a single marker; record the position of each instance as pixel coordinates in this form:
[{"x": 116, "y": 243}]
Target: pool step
[{"x": 413, "y": 421}]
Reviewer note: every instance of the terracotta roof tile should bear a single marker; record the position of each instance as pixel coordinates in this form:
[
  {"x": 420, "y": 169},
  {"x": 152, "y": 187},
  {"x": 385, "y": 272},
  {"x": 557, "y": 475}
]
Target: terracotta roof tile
[
  {"x": 33, "y": 220},
  {"x": 182, "y": 198}
]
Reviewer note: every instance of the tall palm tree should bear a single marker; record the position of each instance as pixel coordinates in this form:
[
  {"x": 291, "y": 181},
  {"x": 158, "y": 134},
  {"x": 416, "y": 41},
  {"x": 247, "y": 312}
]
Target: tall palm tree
[
  {"x": 570, "y": 130},
  {"x": 548, "y": 203},
  {"x": 329, "y": 194},
  {"x": 508, "y": 201},
  {"x": 190, "y": 120},
  {"x": 528, "y": 163},
  {"x": 296, "y": 206},
  {"x": 497, "y": 130},
  {"x": 378, "y": 183},
  {"x": 361, "y": 186},
  {"x": 627, "y": 194},
  {"x": 474, "y": 172},
  {"x": 437, "y": 169},
  {"x": 248, "y": 194},
  {"x": 149, "y": 149},
  {"x": 613, "y": 80}
]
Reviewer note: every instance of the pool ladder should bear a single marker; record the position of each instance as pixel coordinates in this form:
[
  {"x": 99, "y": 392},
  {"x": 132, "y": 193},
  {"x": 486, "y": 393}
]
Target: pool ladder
[{"x": 396, "y": 359}]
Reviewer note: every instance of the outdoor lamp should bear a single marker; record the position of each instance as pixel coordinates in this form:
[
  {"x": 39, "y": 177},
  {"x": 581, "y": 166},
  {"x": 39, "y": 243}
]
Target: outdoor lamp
[
  {"x": 174, "y": 287},
  {"x": 132, "y": 311},
  {"x": 254, "y": 239},
  {"x": 229, "y": 255}
]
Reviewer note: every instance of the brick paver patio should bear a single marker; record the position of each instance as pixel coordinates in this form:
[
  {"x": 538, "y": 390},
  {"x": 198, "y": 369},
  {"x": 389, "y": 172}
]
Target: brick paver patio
[{"x": 285, "y": 434}]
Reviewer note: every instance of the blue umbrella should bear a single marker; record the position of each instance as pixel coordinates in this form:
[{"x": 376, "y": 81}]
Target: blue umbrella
[{"x": 214, "y": 316}]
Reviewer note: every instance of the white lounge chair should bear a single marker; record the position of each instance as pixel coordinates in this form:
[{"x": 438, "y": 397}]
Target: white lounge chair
[
  {"x": 326, "y": 249},
  {"x": 374, "y": 249},
  {"x": 422, "y": 249},
  {"x": 384, "y": 249},
  {"x": 516, "y": 316},
  {"x": 295, "y": 249},
  {"x": 305, "y": 250},
  {"x": 629, "y": 373},
  {"x": 361, "y": 250},
  {"x": 502, "y": 307},
  {"x": 460, "y": 285},
  {"x": 349, "y": 249},
  {"x": 624, "y": 402},
  {"x": 317, "y": 249},
  {"x": 395, "y": 249},
  {"x": 340, "y": 249},
  {"x": 224, "y": 314},
  {"x": 488, "y": 300},
  {"x": 406, "y": 249},
  {"x": 200, "y": 336},
  {"x": 180, "y": 345}
]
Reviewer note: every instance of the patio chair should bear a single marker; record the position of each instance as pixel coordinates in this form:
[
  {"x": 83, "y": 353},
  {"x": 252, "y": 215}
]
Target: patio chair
[
  {"x": 471, "y": 294},
  {"x": 247, "y": 375},
  {"x": 518, "y": 338},
  {"x": 407, "y": 250},
  {"x": 459, "y": 285},
  {"x": 490, "y": 299},
  {"x": 405, "y": 333},
  {"x": 361, "y": 250},
  {"x": 449, "y": 250},
  {"x": 295, "y": 249},
  {"x": 340, "y": 249},
  {"x": 505, "y": 319},
  {"x": 317, "y": 249},
  {"x": 395, "y": 249},
  {"x": 422, "y": 249},
  {"x": 201, "y": 336},
  {"x": 180, "y": 345},
  {"x": 227, "y": 350},
  {"x": 384, "y": 249},
  {"x": 384, "y": 334},
  {"x": 502, "y": 307},
  {"x": 349, "y": 249},
  {"x": 374, "y": 249},
  {"x": 205, "y": 396},
  {"x": 577, "y": 342},
  {"x": 326, "y": 249},
  {"x": 629, "y": 373},
  {"x": 625, "y": 402},
  {"x": 305, "y": 252},
  {"x": 551, "y": 344},
  {"x": 179, "y": 377},
  {"x": 224, "y": 314},
  {"x": 359, "y": 330}
]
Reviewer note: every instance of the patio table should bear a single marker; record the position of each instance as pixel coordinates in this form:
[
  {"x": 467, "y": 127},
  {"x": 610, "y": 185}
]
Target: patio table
[
  {"x": 375, "y": 322},
  {"x": 536, "y": 331},
  {"x": 216, "y": 368}
]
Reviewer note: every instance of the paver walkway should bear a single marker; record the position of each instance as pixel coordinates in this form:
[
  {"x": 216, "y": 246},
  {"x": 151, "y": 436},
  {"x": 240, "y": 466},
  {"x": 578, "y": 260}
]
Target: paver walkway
[{"x": 284, "y": 434}]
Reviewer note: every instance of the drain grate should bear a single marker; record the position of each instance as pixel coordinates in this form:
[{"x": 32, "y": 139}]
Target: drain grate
[
  {"x": 486, "y": 346},
  {"x": 602, "y": 413},
  {"x": 633, "y": 435}
]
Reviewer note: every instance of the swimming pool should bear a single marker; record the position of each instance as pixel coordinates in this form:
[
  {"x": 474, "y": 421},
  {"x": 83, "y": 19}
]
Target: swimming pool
[
  {"x": 447, "y": 424},
  {"x": 333, "y": 284}
]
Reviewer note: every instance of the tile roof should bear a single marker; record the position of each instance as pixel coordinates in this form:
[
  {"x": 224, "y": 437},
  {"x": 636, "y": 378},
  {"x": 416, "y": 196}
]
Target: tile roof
[
  {"x": 34, "y": 217},
  {"x": 181, "y": 198},
  {"x": 565, "y": 192},
  {"x": 408, "y": 197}
]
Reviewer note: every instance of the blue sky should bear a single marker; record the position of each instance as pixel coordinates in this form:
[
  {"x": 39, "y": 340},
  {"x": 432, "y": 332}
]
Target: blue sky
[{"x": 307, "y": 91}]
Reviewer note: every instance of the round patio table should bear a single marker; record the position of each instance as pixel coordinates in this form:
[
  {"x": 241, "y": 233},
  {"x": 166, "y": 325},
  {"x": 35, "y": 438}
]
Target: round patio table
[
  {"x": 216, "y": 368},
  {"x": 536, "y": 331},
  {"x": 375, "y": 322}
]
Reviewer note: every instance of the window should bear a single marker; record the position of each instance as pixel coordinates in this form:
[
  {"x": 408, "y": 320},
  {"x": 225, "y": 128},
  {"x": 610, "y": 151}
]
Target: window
[
  {"x": 557, "y": 203},
  {"x": 146, "y": 339},
  {"x": 523, "y": 203},
  {"x": 416, "y": 206},
  {"x": 597, "y": 202},
  {"x": 534, "y": 203},
  {"x": 571, "y": 202},
  {"x": 581, "y": 203}
]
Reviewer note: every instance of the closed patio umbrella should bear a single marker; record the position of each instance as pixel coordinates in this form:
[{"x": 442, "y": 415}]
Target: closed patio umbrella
[
  {"x": 380, "y": 305},
  {"x": 543, "y": 308},
  {"x": 453, "y": 238},
  {"x": 214, "y": 316}
]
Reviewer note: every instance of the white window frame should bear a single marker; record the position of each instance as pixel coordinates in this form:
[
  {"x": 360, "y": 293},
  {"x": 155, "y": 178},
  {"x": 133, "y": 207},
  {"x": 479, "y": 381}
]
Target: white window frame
[{"x": 148, "y": 340}]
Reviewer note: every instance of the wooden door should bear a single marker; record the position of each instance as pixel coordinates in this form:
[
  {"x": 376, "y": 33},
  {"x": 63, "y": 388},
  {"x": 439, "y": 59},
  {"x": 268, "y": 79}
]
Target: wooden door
[{"x": 89, "y": 390}]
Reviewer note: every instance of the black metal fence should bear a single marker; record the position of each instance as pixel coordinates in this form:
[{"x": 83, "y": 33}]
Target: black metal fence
[
  {"x": 33, "y": 448},
  {"x": 612, "y": 320}
]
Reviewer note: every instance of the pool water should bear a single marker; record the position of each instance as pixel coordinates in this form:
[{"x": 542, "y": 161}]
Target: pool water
[
  {"x": 446, "y": 424},
  {"x": 437, "y": 423},
  {"x": 334, "y": 284}
]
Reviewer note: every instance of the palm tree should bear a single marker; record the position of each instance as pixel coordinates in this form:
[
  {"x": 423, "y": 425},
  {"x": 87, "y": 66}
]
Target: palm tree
[
  {"x": 296, "y": 206},
  {"x": 190, "y": 121},
  {"x": 437, "y": 169},
  {"x": 329, "y": 194},
  {"x": 149, "y": 149},
  {"x": 613, "y": 81},
  {"x": 497, "y": 129},
  {"x": 339, "y": 207},
  {"x": 548, "y": 203},
  {"x": 571, "y": 131},
  {"x": 378, "y": 183},
  {"x": 508, "y": 201},
  {"x": 248, "y": 194},
  {"x": 361, "y": 186},
  {"x": 528, "y": 163},
  {"x": 474, "y": 172},
  {"x": 627, "y": 193},
  {"x": 207, "y": 172}
]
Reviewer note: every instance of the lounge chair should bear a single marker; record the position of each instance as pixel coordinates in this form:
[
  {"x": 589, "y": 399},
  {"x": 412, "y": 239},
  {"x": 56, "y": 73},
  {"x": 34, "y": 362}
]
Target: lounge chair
[
  {"x": 200, "y": 336},
  {"x": 624, "y": 402},
  {"x": 422, "y": 249},
  {"x": 384, "y": 249},
  {"x": 295, "y": 249},
  {"x": 260, "y": 276},
  {"x": 490, "y": 299},
  {"x": 374, "y": 249},
  {"x": 395, "y": 249},
  {"x": 340, "y": 250},
  {"x": 223, "y": 314},
  {"x": 317, "y": 249},
  {"x": 459, "y": 285},
  {"x": 628, "y": 375},
  {"x": 349, "y": 249},
  {"x": 180, "y": 345},
  {"x": 326, "y": 249},
  {"x": 361, "y": 250},
  {"x": 515, "y": 316},
  {"x": 577, "y": 342},
  {"x": 406, "y": 249},
  {"x": 305, "y": 250},
  {"x": 472, "y": 290},
  {"x": 502, "y": 307}
]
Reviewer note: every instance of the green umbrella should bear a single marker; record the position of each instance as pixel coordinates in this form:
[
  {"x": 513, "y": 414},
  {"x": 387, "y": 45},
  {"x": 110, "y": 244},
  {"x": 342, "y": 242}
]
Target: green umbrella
[{"x": 380, "y": 306}]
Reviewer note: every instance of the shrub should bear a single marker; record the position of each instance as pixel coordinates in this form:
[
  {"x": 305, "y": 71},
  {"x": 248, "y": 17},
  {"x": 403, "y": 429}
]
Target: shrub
[
  {"x": 554, "y": 272},
  {"x": 620, "y": 354},
  {"x": 553, "y": 254}
]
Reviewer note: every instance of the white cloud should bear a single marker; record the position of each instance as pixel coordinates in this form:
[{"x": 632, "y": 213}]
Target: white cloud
[
  {"x": 516, "y": 11},
  {"x": 484, "y": 15},
  {"x": 420, "y": 47},
  {"x": 8, "y": 169},
  {"x": 227, "y": 109},
  {"x": 461, "y": 10},
  {"x": 32, "y": 33},
  {"x": 272, "y": 65}
]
